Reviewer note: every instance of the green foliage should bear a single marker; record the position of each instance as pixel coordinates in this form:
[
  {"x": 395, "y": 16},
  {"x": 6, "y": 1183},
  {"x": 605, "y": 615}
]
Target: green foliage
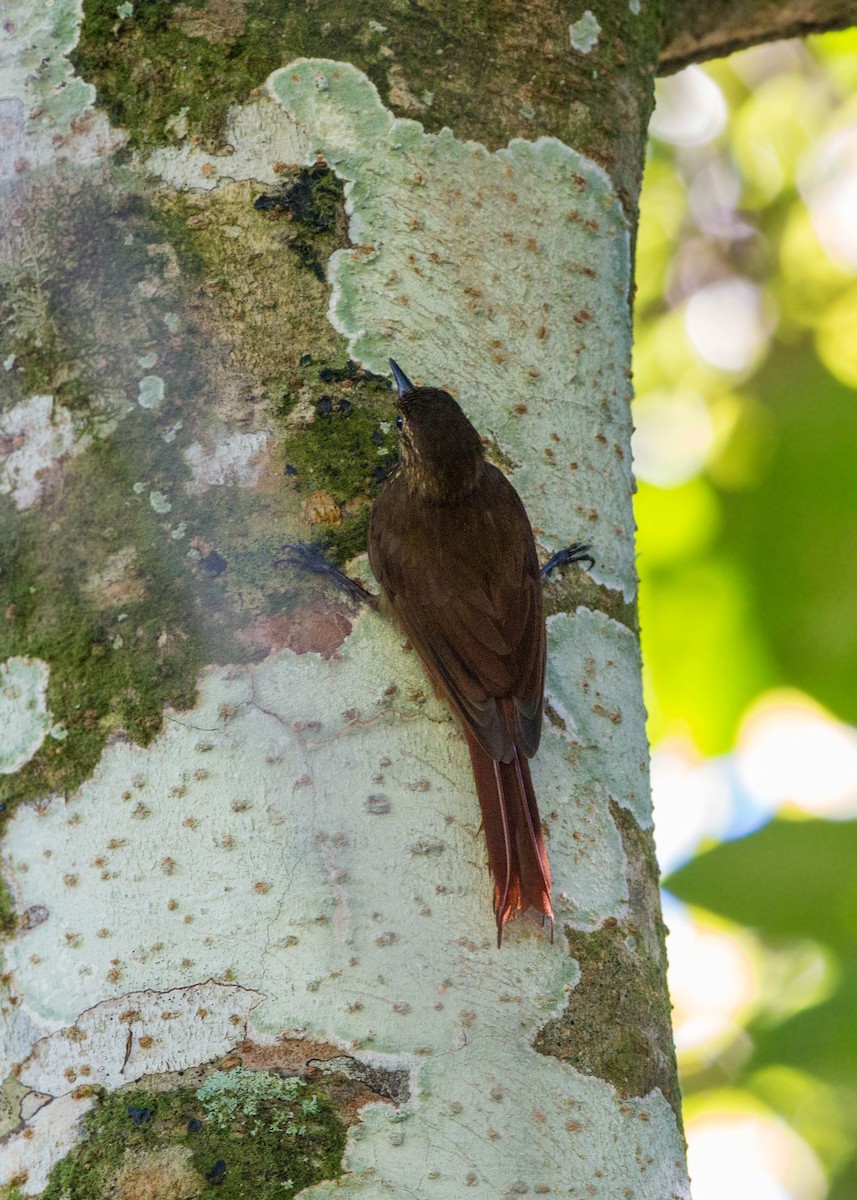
[
  {"x": 790, "y": 537},
  {"x": 755, "y": 573},
  {"x": 747, "y": 511},
  {"x": 790, "y": 880}
]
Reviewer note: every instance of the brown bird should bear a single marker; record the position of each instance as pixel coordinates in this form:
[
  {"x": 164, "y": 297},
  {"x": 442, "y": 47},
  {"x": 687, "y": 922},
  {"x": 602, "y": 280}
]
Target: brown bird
[{"x": 452, "y": 549}]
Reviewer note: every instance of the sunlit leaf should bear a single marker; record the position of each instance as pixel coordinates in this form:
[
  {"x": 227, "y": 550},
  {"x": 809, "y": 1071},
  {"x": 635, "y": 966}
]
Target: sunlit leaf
[
  {"x": 791, "y": 878},
  {"x": 705, "y": 658},
  {"x": 794, "y": 537},
  {"x": 815, "y": 1109},
  {"x": 837, "y": 346},
  {"x": 675, "y": 524},
  {"x": 772, "y": 130},
  {"x": 808, "y": 279}
]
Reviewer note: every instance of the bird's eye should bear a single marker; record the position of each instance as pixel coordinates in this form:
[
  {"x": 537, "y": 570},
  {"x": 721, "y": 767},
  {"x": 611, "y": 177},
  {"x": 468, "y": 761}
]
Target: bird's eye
[{"x": 399, "y": 421}]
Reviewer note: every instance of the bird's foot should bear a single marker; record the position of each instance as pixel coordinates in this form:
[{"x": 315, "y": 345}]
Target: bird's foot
[
  {"x": 309, "y": 558},
  {"x": 577, "y": 552}
]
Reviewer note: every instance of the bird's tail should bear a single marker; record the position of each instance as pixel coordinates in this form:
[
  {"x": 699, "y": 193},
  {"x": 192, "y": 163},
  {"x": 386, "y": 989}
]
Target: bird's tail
[{"x": 517, "y": 859}]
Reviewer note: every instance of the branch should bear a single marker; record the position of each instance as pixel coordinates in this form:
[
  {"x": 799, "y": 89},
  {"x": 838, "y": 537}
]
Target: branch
[{"x": 699, "y": 30}]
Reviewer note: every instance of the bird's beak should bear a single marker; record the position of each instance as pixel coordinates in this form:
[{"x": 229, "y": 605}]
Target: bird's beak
[{"x": 402, "y": 382}]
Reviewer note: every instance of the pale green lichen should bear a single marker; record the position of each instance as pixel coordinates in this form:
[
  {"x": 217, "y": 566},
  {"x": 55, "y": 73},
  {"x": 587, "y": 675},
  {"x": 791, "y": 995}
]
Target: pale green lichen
[
  {"x": 228, "y": 1095},
  {"x": 159, "y": 502},
  {"x": 24, "y": 717},
  {"x": 205, "y": 1021},
  {"x": 151, "y": 391},
  {"x": 36, "y": 436},
  {"x": 593, "y": 687},
  {"x": 283, "y": 899},
  {"x": 36, "y": 70},
  {"x": 584, "y": 34},
  {"x": 261, "y": 139},
  {"x": 12, "y": 1094},
  {"x": 274, "y": 738}
]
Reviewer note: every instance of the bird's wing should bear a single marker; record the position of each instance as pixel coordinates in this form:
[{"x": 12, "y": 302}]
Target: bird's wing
[{"x": 463, "y": 582}]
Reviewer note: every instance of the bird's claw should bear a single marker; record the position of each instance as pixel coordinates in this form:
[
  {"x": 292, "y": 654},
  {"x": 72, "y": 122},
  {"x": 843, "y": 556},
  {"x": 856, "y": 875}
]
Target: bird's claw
[
  {"x": 577, "y": 552},
  {"x": 306, "y": 557}
]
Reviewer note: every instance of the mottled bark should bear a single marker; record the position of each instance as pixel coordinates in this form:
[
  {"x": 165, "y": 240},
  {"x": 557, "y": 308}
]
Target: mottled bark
[{"x": 249, "y": 930}]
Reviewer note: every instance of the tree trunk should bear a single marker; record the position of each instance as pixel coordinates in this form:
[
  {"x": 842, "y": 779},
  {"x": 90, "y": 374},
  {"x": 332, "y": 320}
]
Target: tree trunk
[{"x": 249, "y": 931}]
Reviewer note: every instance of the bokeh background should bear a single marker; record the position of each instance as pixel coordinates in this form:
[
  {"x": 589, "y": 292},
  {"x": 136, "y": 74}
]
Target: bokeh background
[{"x": 746, "y": 455}]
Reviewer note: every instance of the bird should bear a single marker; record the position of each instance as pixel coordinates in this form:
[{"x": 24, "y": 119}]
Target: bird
[{"x": 453, "y": 552}]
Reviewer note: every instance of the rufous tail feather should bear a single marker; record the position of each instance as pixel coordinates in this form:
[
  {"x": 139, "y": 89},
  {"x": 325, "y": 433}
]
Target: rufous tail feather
[{"x": 517, "y": 859}]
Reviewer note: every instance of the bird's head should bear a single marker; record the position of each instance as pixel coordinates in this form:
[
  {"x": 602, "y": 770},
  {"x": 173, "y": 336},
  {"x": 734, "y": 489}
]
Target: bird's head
[{"x": 440, "y": 452}]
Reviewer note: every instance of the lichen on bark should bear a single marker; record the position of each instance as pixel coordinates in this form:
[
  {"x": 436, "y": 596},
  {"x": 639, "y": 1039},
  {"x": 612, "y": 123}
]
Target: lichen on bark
[
  {"x": 241, "y": 1132},
  {"x": 491, "y": 72},
  {"x": 137, "y": 317}
]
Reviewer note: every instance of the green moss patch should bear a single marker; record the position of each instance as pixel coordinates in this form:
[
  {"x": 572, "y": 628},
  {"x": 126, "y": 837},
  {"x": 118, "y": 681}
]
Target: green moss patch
[
  {"x": 339, "y": 440},
  {"x": 8, "y": 920},
  {"x": 167, "y": 69},
  {"x": 611, "y": 981},
  {"x": 616, "y": 1024},
  {"x": 243, "y": 1133},
  {"x": 158, "y": 62},
  {"x": 112, "y": 664},
  {"x": 114, "y": 577},
  {"x": 155, "y": 327},
  {"x": 257, "y": 292}
]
